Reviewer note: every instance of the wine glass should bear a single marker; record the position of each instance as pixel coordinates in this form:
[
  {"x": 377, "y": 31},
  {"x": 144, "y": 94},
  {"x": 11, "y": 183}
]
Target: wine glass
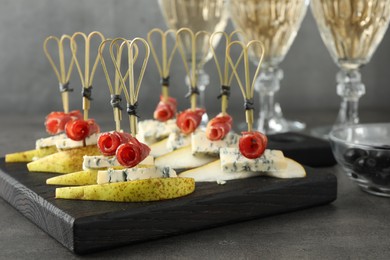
[
  {"x": 351, "y": 31},
  {"x": 275, "y": 23},
  {"x": 197, "y": 15}
]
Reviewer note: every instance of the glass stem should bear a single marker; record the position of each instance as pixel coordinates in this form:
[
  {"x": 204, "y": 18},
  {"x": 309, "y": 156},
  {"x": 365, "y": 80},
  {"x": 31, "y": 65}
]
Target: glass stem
[
  {"x": 267, "y": 84},
  {"x": 350, "y": 88}
]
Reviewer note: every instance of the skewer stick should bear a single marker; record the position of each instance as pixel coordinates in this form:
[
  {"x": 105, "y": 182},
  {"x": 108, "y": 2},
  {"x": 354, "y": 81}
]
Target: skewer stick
[
  {"x": 164, "y": 65},
  {"x": 131, "y": 90},
  {"x": 191, "y": 42},
  {"x": 225, "y": 77},
  {"x": 247, "y": 90},
  {"x": 62, "y": 75},
  {"x": 88, "y": 75},
  {"x": 114, "y": 88}
]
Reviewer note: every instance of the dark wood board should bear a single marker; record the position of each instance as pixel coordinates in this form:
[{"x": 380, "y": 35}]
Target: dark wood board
[
  {"x": 303, "y": 148},
  {"x": 90, "y": 226}
]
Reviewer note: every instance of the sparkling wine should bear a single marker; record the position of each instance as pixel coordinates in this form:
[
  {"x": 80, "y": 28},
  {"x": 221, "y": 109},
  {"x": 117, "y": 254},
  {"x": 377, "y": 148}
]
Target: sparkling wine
[
  {"x": 197, "y": 15},
  {"x": 273, "y": 22},
  {"x": 351, "y": 29}
]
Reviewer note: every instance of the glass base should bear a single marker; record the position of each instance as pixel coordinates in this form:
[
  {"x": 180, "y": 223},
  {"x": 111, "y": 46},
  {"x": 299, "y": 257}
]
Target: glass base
[
  {"x": 280, "y": 125},
  {"x": 277, "y": 126},
  {"x": 368, "y": 187},
  {"x": 205, "y": 120},
  {"x": 321, "y": 132}
]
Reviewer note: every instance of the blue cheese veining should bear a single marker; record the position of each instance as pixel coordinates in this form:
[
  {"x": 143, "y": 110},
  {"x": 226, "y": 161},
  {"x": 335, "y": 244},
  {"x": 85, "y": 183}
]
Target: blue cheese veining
[
  {"x": 151, "y": 131},
  {"x": 202, "y": 145},
  {"x": 101, "y": 162},
  {"x": 130, "y": 174},
  {"x": 233, "y": 161},
  {"x": 68, "y": 143},
  {"x": 49, "y": 141}
]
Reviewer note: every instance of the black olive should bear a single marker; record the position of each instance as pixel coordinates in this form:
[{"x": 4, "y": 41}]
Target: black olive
[
  {"x": 380, "y": 178},
  {"x": 365, "y": 165},
  {"x": 383, "y": 158},
  {"x": 352, "y": 154}
]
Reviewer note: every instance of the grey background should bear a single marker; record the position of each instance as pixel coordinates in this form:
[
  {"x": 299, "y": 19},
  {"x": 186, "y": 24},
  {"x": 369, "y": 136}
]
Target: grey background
[{"x": 28, "y": 84}]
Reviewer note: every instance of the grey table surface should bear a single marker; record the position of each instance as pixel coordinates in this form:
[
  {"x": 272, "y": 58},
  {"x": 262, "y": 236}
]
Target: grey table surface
[{"x": 355, "y": 226}]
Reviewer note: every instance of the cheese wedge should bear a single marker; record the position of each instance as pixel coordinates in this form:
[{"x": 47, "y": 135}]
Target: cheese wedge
[
  {"x": 75, "y": 178},
  {"x": 67, "y": 143},
  {"x": 182, "y": 159},
  {"x": 202, "y": 145},
  {"x": 151, "y": 131},
  {"x": 212, "y": 172},
  {"x": 101, "y": 162},
  {"x": 30, "y": 155},
  {"x": 233, "y": 161},
  {"x": 136, "y": 173},
  {"x": 155, "y": 189},
  {"x": 49, "y": 141},
  {"x": 66, "y": 161}
]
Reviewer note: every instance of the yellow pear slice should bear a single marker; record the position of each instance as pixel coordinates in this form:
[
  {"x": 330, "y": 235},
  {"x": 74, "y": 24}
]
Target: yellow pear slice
[
  {"x": 28, "y": 156},
  {"x": 65, "y": 161},
  {"x": 183, "y": 159},
  {"x": 293, "y": 170},
  {"x": 79, "y": 178},
  {"x": 154, "y": 189},
  {"x": 160, "y": 148},
  {"x": 213, "y": 172}
]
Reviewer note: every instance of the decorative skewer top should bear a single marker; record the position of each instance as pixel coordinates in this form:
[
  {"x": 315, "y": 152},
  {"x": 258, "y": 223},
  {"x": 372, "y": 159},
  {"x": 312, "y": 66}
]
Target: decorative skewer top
[
  {"x": 186, "y": 38},
  {"x": 252, "y": 144},
  {"x": 114, "y": 85},
  {"x": 87, "y": 76},
  {"x": 218, "y": 127},
  {"x": 166, "y": 108},
  {"x": 131, "y": 90},
  {"x": 62, "y": 73}
]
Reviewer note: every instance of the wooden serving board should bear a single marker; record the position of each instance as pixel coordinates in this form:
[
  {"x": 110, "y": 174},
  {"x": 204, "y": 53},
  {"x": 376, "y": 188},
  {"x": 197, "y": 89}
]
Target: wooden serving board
[{"x": 89, "y": 226}]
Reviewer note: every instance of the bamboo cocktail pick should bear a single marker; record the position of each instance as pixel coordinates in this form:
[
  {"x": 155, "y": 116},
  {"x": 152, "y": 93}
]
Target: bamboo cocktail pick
[
  {"x": 163, "y": 63},
  {"x": 87, "y": 76},
  {"x": 188, "y": 37},
  {"x": 225, "y": 76},
  {"x": 62, "y": 73},
  {"x": 247, "y": 84},
  {"x": 131, "y": 90},
  {"x": 114, "y": 85}
]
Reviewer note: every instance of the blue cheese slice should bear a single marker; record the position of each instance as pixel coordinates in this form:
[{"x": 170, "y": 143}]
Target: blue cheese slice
[
  {"x": 151, "y": 131},
  {"x": 176, "y": 140},
  {"x": 202, "y": 145},
  {"x": 212, "y": 172},
  {"x": 49, "y": 141},
  {"x": 101, "y": 161},
  {"x": 233, "y": 161},
  {"x": 136, "y": 173},
  {"x": 68, "y": 143}
]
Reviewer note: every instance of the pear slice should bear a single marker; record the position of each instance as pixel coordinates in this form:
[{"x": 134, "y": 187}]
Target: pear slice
[
  {"x": 293, "y": 170},
  {"x": 160, "y": 148},
  {"x": 182, "y": 159},
  {"x": 79, "y": 178},
  {"x": 29, "y": 155},
  {"x": 65, "y": 161},
  {"x": 213, "y": 172},
  {"x": 154, "y": 189}
]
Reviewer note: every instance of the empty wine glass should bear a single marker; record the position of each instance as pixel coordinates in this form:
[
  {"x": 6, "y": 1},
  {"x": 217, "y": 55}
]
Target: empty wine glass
[
  {"x": 197, "y": 15},
  {"x": 275, "y": 23},
  {"x": 351, "y": 31}
]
